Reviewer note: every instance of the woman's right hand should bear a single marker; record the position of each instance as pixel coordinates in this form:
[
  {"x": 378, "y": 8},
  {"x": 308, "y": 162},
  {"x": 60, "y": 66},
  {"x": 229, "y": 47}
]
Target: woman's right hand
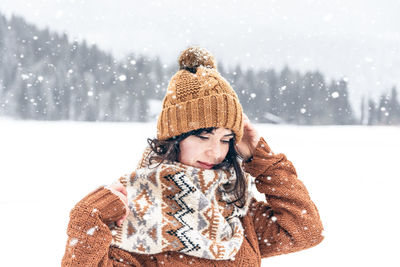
[{"x": 118, "y": 189}]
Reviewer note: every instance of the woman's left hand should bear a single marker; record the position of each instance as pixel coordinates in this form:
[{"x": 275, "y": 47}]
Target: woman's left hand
[
  {"x": 118, "y": 189},
  {"x": 249, "y": 141}
]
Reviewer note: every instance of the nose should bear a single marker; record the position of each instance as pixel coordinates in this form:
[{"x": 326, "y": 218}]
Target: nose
[{"x": 214, "y": 153}]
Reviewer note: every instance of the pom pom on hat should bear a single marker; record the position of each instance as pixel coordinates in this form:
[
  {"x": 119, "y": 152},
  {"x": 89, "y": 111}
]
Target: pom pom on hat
[
  {"x": 199, "y": 97},
  {"x": 194, "y": 57}
]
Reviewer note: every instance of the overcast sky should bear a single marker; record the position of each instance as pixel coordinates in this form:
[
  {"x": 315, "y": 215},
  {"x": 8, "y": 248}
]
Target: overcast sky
[{"x": 357, "y": 39}]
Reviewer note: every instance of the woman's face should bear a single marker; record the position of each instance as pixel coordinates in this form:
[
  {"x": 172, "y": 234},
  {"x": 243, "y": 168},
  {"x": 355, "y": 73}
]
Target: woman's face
[{"x": 205, "y": 150}]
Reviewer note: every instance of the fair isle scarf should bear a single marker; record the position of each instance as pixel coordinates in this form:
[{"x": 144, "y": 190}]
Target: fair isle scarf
[{"x": 175, "y": 207}]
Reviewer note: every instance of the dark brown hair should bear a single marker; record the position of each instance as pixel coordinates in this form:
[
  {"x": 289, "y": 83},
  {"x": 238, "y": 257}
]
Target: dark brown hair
[{"x": 168, "y": 150}]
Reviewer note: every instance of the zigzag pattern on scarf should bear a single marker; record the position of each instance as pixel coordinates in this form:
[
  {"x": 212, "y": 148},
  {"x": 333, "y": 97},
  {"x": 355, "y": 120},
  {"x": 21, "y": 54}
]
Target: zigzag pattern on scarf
[
  {"x": 175, "y": 207},
  {"x": 186, "y": 189}
]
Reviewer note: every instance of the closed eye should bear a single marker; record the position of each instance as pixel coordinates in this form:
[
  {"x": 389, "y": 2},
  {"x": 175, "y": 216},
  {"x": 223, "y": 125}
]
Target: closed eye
[{"x": 206, "y": 138}]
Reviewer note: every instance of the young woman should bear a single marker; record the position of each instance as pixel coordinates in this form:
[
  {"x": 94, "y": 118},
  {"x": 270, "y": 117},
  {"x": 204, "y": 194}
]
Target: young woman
[{"x": 189, "y": 202}]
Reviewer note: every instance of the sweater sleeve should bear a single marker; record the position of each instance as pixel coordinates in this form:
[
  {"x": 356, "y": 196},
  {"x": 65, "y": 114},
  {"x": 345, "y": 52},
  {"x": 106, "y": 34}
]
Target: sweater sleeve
[
  {"x": 289, "y": 220},
  {"x": 89, "y": 237}
]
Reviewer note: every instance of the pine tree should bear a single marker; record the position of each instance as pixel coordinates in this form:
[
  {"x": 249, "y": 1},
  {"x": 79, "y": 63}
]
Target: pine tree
[{"x": 45, "y": 76}]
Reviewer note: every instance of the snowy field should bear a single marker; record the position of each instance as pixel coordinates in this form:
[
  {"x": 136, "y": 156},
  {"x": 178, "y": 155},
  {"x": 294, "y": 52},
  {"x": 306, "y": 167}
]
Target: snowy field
[{"x": 352, "y": 174}]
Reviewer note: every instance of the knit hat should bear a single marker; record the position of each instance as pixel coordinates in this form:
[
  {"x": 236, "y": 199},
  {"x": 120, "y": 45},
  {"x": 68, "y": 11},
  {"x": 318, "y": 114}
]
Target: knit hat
[{"x": 199, "y": 97}]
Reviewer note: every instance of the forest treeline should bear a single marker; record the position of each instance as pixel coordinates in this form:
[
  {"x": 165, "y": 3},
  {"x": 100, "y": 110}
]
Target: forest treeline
[{"x": 46, "y": 76}]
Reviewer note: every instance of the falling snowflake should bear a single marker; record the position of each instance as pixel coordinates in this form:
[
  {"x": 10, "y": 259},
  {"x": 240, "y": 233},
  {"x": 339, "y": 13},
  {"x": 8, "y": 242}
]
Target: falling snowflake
[
  {"x": 91, "y": 230},
  {"x": 73, "y": 242},
  {"x": 335, "y": 95}
]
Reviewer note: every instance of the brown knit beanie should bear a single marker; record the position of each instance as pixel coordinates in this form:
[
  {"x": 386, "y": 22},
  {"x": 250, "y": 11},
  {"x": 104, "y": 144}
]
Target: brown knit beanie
[{"x": 198, "y": 97}]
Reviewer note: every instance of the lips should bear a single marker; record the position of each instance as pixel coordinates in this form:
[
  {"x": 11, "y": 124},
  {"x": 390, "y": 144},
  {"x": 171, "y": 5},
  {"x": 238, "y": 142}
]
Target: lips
[{"x": 205, "y": 165}]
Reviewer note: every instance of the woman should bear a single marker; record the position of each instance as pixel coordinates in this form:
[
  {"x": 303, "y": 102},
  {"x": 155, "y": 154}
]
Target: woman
[{"x": 189, "y": 202}]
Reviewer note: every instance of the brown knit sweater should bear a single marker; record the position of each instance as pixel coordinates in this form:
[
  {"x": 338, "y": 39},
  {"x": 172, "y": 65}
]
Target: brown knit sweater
[{"x": 288, "y": 222}]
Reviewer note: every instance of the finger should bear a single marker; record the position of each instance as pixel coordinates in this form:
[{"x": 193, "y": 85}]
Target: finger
[
  {"x": 122, "y": 189},
  {"x": 119, "y": 187},
  {"x": 123, "y": 198}
]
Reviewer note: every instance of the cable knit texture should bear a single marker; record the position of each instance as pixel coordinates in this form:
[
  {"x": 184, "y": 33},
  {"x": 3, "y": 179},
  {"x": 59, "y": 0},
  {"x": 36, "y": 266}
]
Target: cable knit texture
[
  {"x": 199, "y": 97},
  {"x": 287, "y": 222}
]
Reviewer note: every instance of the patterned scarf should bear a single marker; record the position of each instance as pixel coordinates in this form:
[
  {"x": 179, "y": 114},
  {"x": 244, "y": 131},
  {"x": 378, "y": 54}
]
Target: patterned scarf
[{"x": 175, "y": 207}]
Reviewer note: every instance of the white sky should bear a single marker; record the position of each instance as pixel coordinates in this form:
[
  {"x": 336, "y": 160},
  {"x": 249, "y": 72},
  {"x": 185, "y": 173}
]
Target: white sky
[{"x": 354, "y": 38}]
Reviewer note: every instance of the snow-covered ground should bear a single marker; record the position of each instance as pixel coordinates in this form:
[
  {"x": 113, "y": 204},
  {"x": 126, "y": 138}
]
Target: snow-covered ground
[{"x": 351, "y": 173}]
